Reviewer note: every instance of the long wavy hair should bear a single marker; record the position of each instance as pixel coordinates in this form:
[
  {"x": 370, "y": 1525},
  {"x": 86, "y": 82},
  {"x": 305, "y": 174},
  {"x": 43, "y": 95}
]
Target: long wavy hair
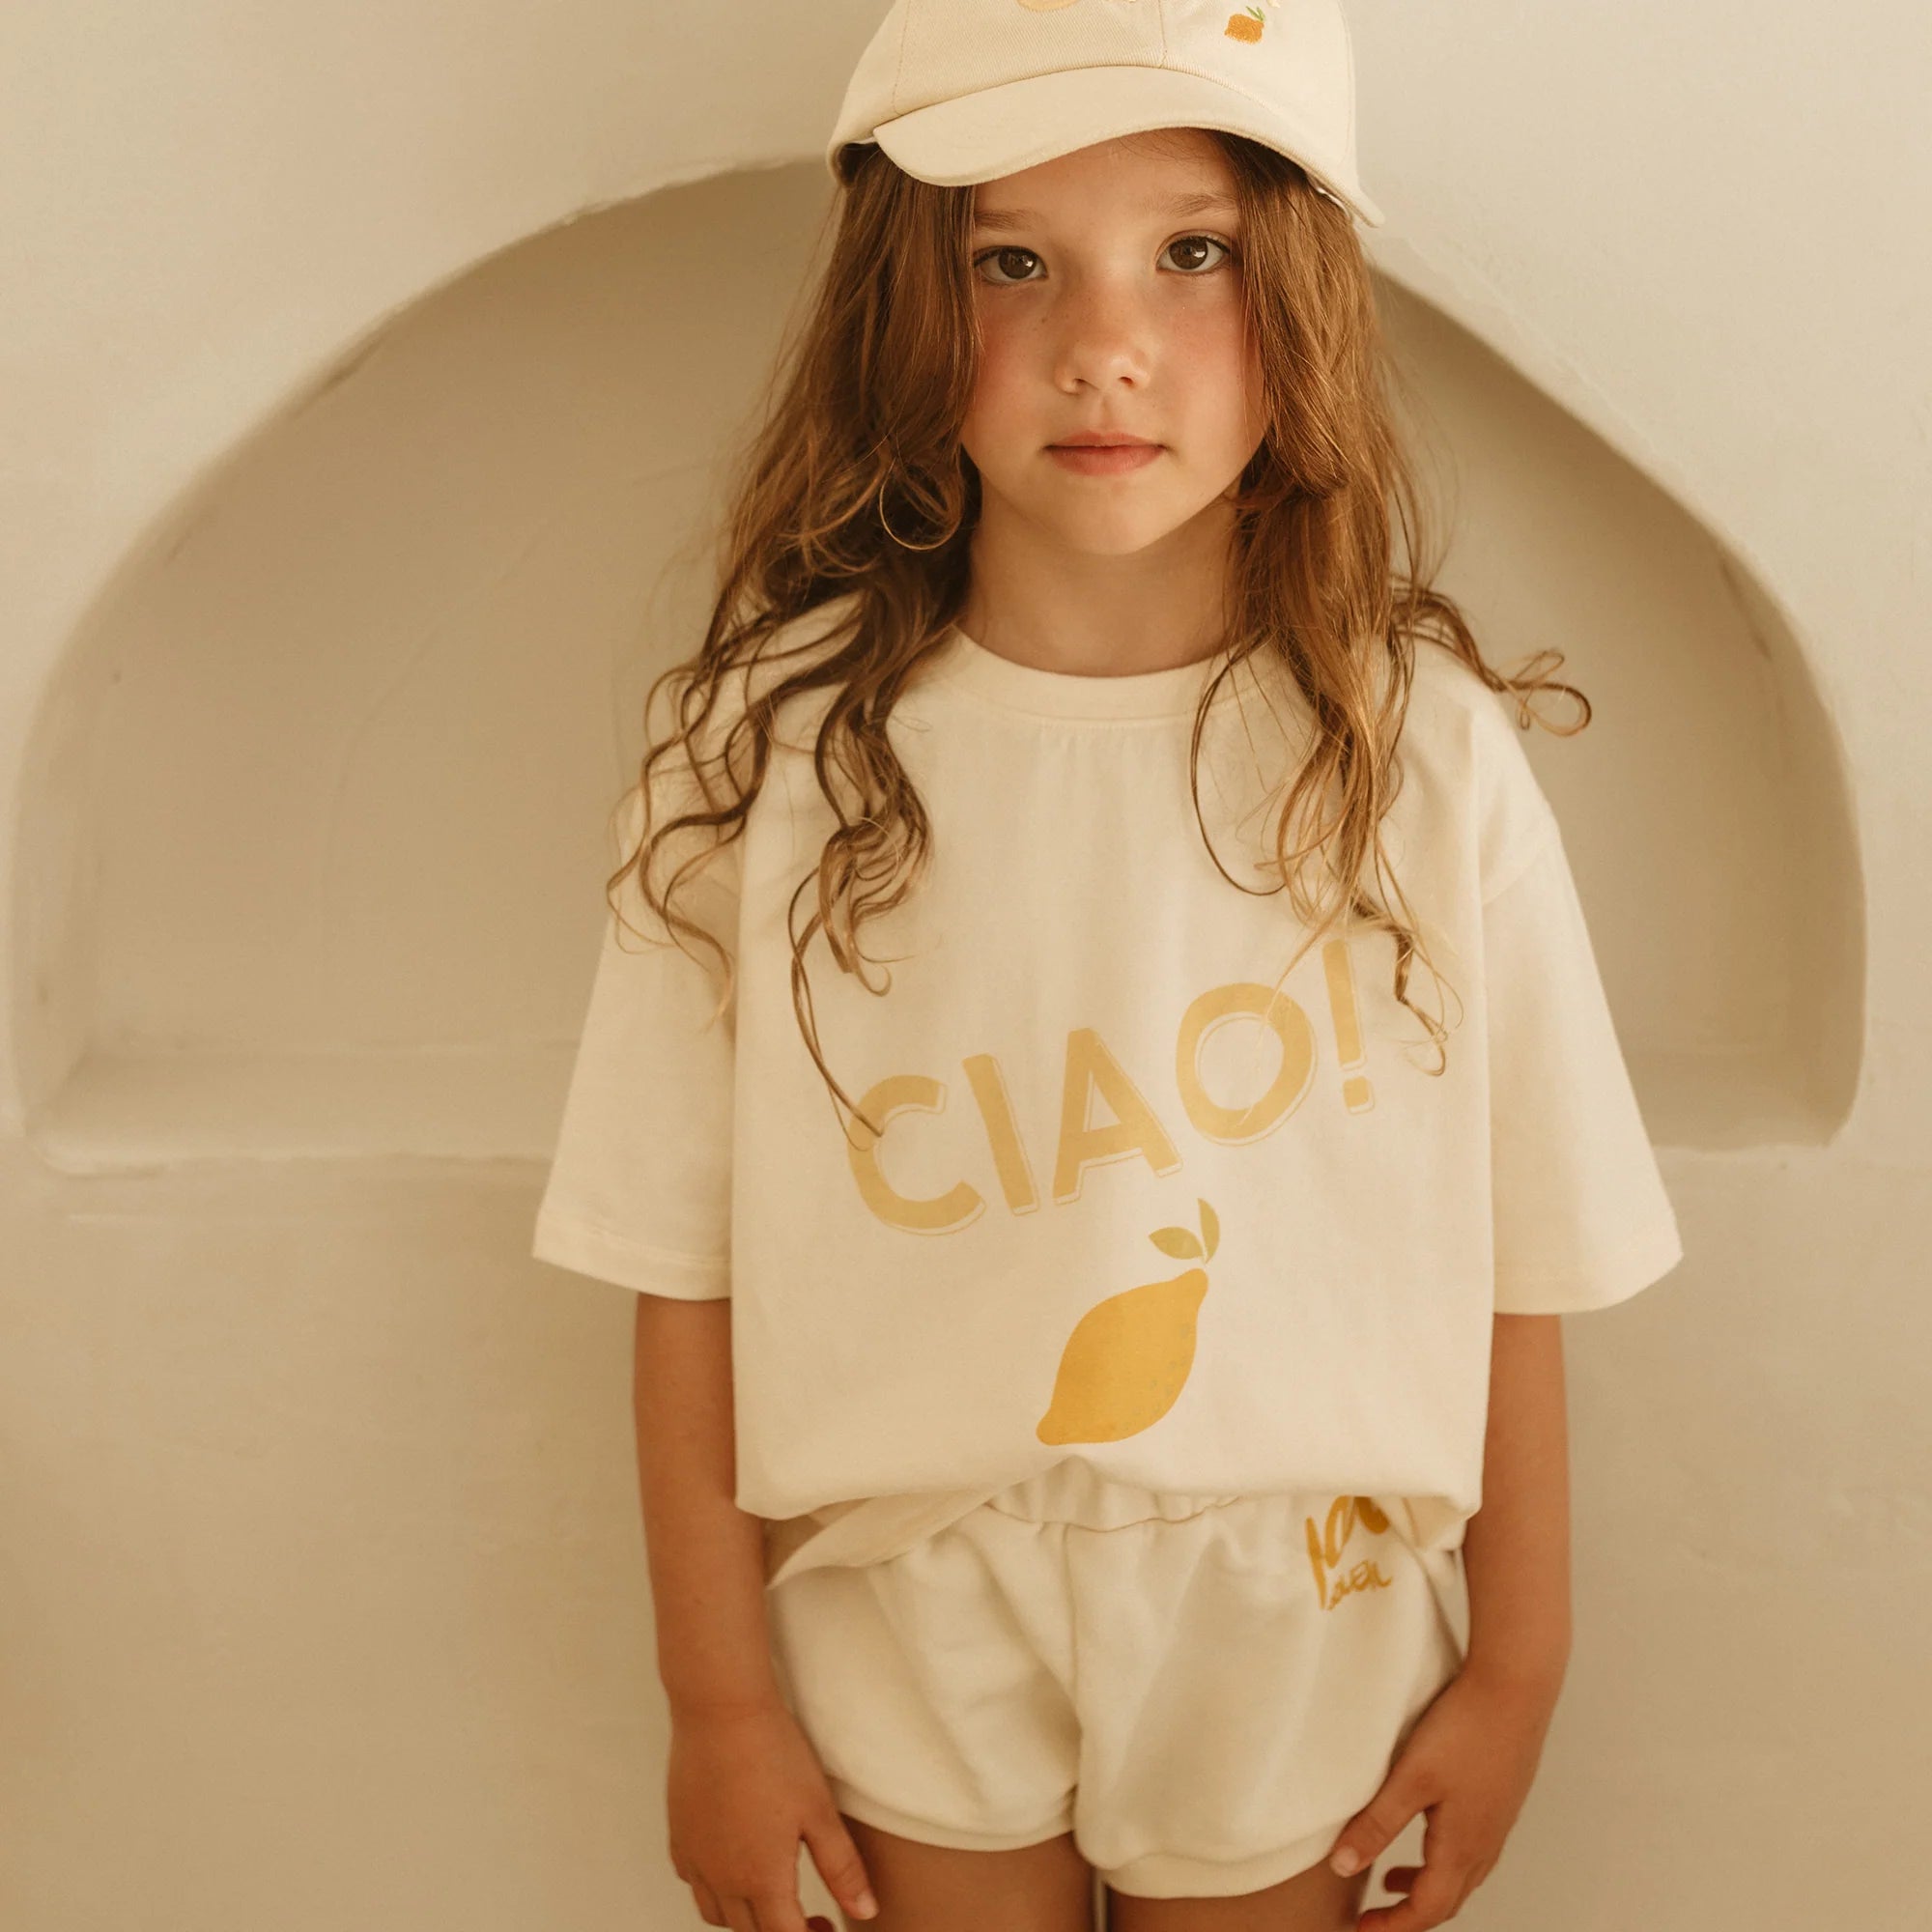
[{"x": 861, "y": 428}]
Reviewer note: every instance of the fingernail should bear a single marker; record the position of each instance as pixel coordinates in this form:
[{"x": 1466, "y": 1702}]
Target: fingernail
[
  {"x": 866, "y": 1906},
  {"x": 1347, "y": 1861}
]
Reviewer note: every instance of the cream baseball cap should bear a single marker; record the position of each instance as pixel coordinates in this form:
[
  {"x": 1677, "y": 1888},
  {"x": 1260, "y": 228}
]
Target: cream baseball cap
[{"x": 959, "y": 90}]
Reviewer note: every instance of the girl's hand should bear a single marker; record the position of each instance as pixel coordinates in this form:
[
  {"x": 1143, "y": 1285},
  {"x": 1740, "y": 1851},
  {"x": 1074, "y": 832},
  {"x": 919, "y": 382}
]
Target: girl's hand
[
  {"x": 1468, "y": 1765},
  {"x": 744, "y": 1786}
]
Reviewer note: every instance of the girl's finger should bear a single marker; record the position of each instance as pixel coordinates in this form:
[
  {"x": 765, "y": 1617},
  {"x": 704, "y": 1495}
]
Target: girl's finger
[{"x": 1436, "y": 1898}]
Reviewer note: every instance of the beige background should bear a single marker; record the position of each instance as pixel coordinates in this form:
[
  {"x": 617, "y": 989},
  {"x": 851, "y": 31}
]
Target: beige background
[{"x": 366, "y": 374}]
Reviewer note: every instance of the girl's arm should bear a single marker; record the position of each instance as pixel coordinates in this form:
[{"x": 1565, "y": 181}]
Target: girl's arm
[
  {"x": 743, "y": 1785},
  {"x": 706, "y": 1555},
  {"x": 1469, "y": 1764},
  {"x": 1516, "y": 1548}
]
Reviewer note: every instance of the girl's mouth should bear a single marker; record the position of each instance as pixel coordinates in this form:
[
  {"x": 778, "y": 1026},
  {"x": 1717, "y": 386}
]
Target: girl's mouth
[{"x": 1103, "y": 459}]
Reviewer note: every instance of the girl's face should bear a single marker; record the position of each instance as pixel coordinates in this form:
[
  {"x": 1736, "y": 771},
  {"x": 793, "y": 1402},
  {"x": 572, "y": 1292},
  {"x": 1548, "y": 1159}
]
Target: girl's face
[{"x": 1109, "y": 299}]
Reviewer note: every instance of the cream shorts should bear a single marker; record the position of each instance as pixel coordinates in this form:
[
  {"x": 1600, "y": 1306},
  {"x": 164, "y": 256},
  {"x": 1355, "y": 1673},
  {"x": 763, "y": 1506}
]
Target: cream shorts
[{"x": 1202, "y": 1689}]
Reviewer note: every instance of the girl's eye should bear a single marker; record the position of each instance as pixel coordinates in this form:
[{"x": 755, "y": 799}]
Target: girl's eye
[
  {"x": 1006, "y": 257},
  {"x": 1194, "y": 241},
  {"x": 1192, "y": 266}
]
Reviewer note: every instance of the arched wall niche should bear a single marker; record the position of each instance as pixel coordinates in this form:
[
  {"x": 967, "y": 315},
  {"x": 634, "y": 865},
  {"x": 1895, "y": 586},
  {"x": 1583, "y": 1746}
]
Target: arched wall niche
[
  {"x": 315, "y": 819},
  {"x": 1706, "y": 808}
]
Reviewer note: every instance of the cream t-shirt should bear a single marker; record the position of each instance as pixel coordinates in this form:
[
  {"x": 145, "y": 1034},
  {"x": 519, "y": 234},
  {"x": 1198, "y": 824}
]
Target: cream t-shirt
[{"x": 1132, "y": 1201}]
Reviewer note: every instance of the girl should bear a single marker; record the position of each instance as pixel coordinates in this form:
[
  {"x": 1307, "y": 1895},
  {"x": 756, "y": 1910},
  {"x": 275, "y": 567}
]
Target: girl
[{"x": 1115, "y": 1091}]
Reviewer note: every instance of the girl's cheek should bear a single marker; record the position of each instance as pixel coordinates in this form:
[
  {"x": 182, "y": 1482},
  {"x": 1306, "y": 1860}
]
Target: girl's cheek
[
  {"x": 996, "y": 351},
  {"x": 994, "y": 388},
  {"x": 1222, "y": 364},
  {"x": 1210, "y": 333}
]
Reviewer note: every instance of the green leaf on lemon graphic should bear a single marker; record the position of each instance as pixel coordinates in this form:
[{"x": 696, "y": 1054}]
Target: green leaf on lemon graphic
[{"x": 1128, "y": 1358}]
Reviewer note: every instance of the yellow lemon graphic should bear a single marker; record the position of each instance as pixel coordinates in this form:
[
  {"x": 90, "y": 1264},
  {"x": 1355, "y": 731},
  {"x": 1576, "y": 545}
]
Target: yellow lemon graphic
[{"x": 1130, "y": 1356}]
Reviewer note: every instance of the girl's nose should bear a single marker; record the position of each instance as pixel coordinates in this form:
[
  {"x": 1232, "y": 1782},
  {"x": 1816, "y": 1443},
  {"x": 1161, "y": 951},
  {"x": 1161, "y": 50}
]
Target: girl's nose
[{"x": 1105, "y": 336}]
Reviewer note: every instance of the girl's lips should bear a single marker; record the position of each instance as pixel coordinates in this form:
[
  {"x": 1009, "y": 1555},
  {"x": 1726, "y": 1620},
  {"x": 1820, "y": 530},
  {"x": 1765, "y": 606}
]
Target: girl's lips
[{"x": 1095, "y": 459}]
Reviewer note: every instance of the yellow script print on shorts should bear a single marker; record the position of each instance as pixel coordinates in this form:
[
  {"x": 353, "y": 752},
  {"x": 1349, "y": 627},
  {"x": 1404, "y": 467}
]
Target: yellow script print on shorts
[{"x": 1326, "y": 1545}]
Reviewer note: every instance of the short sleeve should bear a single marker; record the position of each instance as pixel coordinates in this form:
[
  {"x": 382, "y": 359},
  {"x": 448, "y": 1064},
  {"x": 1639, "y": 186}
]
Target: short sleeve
[
  {"x": 1582, "y": 1217},
  {"x": 640, "y": 1187},
  {"x": 1515, "y": 818}
]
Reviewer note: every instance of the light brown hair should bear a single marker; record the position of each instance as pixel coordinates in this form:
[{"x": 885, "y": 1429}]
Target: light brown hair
[{"x": 863, "y": 415}]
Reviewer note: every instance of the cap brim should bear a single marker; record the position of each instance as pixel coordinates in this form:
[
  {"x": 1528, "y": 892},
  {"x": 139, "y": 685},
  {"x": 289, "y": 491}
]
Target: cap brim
[{"x": 979, "y": 137}]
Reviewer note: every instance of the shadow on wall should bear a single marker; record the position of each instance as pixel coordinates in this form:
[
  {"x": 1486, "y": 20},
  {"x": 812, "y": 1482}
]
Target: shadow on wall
[{"x": 316, "y": 815}]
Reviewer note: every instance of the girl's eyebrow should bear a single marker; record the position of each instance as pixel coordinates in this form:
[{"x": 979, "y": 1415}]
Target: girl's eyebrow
[{"x": 1000, "y": 220}]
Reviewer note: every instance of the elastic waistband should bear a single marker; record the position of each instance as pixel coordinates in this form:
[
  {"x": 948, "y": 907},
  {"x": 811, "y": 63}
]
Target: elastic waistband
[{"x": 1074, "y": 1492}]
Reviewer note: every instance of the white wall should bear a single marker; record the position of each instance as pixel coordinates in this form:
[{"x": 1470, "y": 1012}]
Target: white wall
[{"x": 326, "y": 1604}]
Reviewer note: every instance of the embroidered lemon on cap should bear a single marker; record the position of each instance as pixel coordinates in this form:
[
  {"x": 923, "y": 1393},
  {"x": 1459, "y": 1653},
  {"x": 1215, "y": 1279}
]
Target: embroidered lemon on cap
[{"x": 1130, "y": 1356}]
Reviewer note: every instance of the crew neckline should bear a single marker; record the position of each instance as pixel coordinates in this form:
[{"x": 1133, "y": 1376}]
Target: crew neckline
[{"x": 1172, "y": 693}]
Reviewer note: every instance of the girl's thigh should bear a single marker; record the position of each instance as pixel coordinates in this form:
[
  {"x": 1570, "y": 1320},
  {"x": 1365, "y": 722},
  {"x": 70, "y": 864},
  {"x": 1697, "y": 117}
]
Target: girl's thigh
[
  {"x": 1314, "y": 1900},
  {"x": 1042, "y": 1887}
]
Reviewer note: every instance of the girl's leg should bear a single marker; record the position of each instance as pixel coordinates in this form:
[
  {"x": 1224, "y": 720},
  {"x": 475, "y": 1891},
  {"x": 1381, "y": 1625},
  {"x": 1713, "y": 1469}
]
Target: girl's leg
[
  {"x": 1314, "y": 1900},
  {"x": 1042, "y": 1887}
]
